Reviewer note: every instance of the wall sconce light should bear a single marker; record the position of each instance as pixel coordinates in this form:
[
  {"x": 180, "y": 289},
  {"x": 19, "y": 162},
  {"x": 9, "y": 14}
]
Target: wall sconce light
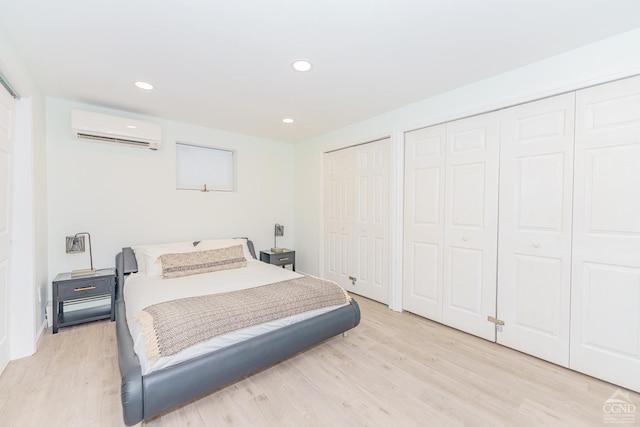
[
  {"x": 278, "y": 231},
  {"x": 75, "y": 245}
]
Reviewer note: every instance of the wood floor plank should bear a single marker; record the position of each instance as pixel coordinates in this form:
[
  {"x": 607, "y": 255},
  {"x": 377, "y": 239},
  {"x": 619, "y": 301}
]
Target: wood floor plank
[{"x": 394, "y": 369}]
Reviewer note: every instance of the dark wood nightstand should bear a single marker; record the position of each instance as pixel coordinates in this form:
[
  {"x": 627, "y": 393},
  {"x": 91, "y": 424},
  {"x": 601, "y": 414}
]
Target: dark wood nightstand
[
  {"x": 286, "y": 257},
  {"x": 68, "y": 289}
]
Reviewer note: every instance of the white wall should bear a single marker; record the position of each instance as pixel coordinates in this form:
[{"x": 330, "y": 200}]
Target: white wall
[
  {"x": 126, "y": 195},
  {"x": 602, "y": 61},
  {"x": 29, "y": 280}
]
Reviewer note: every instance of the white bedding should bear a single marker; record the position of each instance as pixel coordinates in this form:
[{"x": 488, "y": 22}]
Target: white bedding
[{"x": 141, "y": 291}]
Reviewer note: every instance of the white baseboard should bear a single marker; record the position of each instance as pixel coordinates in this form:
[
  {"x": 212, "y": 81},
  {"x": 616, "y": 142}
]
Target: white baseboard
[{"x": 43, "y": 326}]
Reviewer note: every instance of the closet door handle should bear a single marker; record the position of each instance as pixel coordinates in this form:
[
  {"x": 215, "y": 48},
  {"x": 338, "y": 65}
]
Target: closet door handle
[
  {"x": 465, "y": 238},
  {"x": 535, "y": 244}
]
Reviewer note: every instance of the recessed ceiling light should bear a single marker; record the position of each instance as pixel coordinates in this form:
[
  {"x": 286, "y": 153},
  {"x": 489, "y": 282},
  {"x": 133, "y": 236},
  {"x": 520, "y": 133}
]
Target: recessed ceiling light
[
  {"x": 287, "y": 120},
  {"x": 144, "y": 85},
  {"x": 301, "y": 65}
]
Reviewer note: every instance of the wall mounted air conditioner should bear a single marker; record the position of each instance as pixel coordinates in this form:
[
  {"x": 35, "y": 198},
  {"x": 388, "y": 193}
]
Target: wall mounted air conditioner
[{"x": 115, "y": 129}]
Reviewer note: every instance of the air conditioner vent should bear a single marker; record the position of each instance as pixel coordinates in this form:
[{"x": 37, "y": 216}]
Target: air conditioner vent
[
  {"x": 113, "y": 139},
  {"x": 115, "y": 129}
]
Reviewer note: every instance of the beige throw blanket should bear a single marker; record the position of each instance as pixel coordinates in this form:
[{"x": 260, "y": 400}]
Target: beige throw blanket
[{"x": 172, "y": 326}]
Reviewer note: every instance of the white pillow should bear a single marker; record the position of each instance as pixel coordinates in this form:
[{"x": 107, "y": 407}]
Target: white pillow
[
  {"x": 147, "y": 255},
  {"x": 206, "y": 245}
]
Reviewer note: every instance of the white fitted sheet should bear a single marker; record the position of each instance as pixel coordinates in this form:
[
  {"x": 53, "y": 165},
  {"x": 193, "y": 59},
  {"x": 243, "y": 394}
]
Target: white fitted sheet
[{"x": 141, "y": 291}]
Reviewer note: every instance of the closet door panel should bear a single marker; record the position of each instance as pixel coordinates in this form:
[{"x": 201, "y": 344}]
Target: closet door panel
[
  {"x": 605, "y": 306},
  {"x": 371, "y": 220},
  {"x": 338, "y": 207},
  {"x": 542, "y": 181},
  {"x": 605, "y": 297},
  {"x": 423, "y": 221},
  {"x": 7, "y": 138},
  {"x": 331, "y": 215},
  {"x": 467, "y": 197},
  {"x": 534, "y": 249},
  {"x": 536, "y": 299},
  {"x": 470, "y": 228},
  {"x": 465, "y": 280}
]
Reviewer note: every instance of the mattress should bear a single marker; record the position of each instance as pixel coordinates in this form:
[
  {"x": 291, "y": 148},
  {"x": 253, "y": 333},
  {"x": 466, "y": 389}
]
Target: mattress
[{"x": 142, "y": 291}]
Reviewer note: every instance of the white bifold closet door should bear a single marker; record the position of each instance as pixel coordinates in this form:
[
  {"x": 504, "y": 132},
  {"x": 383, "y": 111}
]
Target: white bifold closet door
[
  {"x": 424, "y": 221},
  {"x": 338, "y": 216},
  {"x": 471, "y": 224},
  {"x": 534, "y": 247},
  {"x": 357, "y": 181},
  {"x": 450, "y": 224},
  {"x": 7, "y": 120},
  {"x": 605, "y": 293},
  {"x": 371, "y": 220}
]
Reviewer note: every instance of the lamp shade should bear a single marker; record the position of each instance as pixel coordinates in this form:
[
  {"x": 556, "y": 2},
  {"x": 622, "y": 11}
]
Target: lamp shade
[
  {"x": 277, "y": 231},
  {"x": 75, "y": 244}
]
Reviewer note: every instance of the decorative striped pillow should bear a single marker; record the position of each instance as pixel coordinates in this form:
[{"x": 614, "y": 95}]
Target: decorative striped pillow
[{"x": 186, "y": 264}]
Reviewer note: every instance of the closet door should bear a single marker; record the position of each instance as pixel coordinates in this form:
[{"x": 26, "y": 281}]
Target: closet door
[
  {"x": 470, "y": 229},
  {"x": 534, "y": 248},
  {"x": 424, "y": 166},
  {"x": 371, "y": 221},
  {"x": 338, "y": 217},
  {"x": 605, "y": 293},
  {"x": 356, "y": 248},
  {"x": 7, "y": 117}
]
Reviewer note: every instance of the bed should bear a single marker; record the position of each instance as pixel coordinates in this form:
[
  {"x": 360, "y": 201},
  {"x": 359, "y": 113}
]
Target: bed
[{"x": 152, "y": 384}]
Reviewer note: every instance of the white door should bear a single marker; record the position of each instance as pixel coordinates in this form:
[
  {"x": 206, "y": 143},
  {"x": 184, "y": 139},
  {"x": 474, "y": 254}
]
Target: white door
[
  {"x": 338, "y": 207},
  {"x": 534, "y": 247},
  {"x": 6, "y": 138},
  {"x": 424, "y": 165},
  {"x": 357, "y": 240},
  {"x": 371, "y": 220},
  {"x": 470, "y": 229},
  {"x": 605, "y": 291}
]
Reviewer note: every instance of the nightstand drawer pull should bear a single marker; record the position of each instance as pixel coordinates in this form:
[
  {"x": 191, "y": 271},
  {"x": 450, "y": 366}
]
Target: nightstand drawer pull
[
  {"x": 86, "y": 288},
  {"x": 284, "y": 259}
]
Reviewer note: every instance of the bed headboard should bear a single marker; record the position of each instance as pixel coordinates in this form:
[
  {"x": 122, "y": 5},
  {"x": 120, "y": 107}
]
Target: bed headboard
[
  {"x": 250, "y": 246},
  {"x": 125, "y": 264}
]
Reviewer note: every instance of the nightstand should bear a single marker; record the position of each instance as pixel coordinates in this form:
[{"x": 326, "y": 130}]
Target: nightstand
[
  {"x": 286, "y": 257},
  {"x": 71, "y": 290}
]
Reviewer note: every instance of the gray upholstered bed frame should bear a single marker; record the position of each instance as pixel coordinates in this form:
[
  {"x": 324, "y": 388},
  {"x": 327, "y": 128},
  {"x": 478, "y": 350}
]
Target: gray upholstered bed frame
[{"x": 146, "y": 396}]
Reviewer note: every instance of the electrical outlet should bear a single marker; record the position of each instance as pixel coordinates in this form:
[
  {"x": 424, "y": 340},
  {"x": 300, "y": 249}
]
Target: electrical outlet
[{"x": 48, "y": 314}]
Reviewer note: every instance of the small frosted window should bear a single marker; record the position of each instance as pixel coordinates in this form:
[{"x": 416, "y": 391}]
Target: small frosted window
[{"x": 204, "y": 168}]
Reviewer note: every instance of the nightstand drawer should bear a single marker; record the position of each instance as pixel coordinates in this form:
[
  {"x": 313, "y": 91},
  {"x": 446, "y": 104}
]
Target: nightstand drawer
[
  {"x": 286, "y": 257},
  {"x": 283, "y": 259},
  {"x": 84, "y": 288}
]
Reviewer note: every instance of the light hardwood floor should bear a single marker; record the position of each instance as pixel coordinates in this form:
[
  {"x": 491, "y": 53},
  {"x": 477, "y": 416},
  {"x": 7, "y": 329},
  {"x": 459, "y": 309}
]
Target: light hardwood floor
[{"x": 394, "y": 369}]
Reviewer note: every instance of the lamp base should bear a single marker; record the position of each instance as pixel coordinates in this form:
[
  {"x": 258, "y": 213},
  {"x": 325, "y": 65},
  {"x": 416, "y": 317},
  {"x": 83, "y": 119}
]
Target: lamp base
[
  {"x": 277, "y": 250},
  {"x": 83, "y": 272}
]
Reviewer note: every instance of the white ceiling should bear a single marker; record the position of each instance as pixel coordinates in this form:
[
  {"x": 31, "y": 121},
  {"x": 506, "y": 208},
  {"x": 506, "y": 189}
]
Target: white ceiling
[{"x": 225, "y": 64}]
